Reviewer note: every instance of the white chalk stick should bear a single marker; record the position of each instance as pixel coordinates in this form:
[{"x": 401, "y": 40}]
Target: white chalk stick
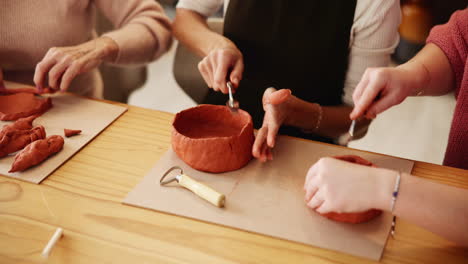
[{"x": 55, "y": 237}]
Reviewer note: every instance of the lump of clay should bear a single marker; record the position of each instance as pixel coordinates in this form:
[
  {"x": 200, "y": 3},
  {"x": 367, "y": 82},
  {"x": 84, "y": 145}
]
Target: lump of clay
[
  {"x": 25, "y": 123},
  {"x": 20, "y": 105},
  {"x": 211, "y": 138},
  {"x": 358, "y": 217},
  {"x": 37, "y": 152},
  {"x": 5, "y": 91},
  {"x": 71, "y": 132},
  {"x": 15, "y": 140}
]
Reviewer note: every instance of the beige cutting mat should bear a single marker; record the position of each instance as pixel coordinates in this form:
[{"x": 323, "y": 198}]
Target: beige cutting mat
[
  {"x": 70, "y": 112},
  {"x": 269, "y": 198}
]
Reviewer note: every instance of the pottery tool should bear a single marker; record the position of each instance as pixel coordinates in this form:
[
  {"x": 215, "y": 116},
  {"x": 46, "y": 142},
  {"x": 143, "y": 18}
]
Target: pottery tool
[
  {"x": 196, "y": 187},
  {"x": 53, "y": 240},
  {"x": 350, "y": 135},
  {"x": 231, "y": 103}
]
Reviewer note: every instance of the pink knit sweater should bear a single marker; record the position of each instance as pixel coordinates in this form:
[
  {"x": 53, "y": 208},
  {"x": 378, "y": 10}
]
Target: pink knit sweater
[
  {"x": 29, "y": 28},
  {"x": 452, "y": 38}
]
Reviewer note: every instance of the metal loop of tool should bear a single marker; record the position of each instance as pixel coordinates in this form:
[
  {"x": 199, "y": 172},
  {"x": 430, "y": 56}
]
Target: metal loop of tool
[
  {"x": 231, "y": 98},
  {"x": 163, "y": 182}
]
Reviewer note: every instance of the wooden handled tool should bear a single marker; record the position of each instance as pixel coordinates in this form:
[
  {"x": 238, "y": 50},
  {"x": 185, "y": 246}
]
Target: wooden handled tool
[{"x": 196, "y": 187}]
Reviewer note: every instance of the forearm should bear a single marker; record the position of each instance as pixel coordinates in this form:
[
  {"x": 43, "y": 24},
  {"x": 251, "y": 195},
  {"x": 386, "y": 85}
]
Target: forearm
[
  {"x": 429, "y": 72},
  {"x": 191, "y": 29},
  {"x": 439, "y": 208},
  {"x": 333, "y": 121}
]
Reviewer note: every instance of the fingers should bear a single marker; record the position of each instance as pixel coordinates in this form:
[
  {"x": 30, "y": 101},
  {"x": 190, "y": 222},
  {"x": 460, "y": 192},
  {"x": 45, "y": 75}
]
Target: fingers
[
  {"x": 69, "y": 75},
  {"x": 375, "y": 84},
  {"x": 236, "y": 73},
  {"x": 221, "y": 68},
  {"x": 273, "y": 128},
  {"x": 279, "y": 96},
  {"x": 205, "y": 69},
  {"x": 56, "y": 72},
  {"x": 259, "y": 142},
  {"x": 43, "y": 67},
  {"x": 315, "y": 201}
]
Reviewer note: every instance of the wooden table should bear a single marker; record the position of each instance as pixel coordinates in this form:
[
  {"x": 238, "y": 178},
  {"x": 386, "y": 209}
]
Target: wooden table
[{"x": 84, "y": 198}]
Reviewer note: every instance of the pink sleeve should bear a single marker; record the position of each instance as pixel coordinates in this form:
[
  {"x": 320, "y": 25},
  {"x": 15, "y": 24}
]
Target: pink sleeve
[
  {"x": 143, "y": 31},
  {"x": 452, "y": 38}
]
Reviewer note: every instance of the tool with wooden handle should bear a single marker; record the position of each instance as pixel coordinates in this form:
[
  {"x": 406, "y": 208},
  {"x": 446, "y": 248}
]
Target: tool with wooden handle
[{"x": 196, "y": 187}]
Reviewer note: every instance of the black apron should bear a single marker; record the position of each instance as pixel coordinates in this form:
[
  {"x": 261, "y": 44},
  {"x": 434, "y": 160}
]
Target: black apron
[{"x": 302, "y": 45}]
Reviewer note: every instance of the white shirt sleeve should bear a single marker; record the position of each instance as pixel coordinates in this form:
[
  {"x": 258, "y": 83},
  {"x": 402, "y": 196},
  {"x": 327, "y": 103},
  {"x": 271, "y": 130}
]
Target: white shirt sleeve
[
  {"x": 205, "y": 8},
  {"x": 374, "y": 36}
]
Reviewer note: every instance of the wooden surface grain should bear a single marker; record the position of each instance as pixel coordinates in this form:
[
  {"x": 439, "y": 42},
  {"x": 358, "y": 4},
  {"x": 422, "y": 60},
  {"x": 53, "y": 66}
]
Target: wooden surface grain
[{"x": 84, "y": 198}]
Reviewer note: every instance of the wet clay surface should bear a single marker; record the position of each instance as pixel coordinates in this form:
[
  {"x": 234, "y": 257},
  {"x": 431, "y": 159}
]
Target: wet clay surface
[
  {"x": 20, "y": 105},
  {"x": 25, "y": 123},
  {"x": 71, "y": 132},
  {"x": 15, "y": 140},
  {"x": 37, "y": 152},
  {"x": 211, "y": 138},
  {"x": 4, "y": 91},
  {"x": 359, "y": 217}
]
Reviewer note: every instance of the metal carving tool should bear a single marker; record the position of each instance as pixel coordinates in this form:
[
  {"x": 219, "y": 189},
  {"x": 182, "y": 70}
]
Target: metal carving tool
[
  {"x": 200, "y": 189},
  {"x": 350, "y": 134},
  {"x": 232, "y": 103}
]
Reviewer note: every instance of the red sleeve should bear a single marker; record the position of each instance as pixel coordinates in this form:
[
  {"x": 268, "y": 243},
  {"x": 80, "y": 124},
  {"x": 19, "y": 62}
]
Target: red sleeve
[{"x": 452, "y": 38}]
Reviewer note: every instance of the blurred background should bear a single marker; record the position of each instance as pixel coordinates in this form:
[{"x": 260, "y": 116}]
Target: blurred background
[{"x": 416, "y": 129}]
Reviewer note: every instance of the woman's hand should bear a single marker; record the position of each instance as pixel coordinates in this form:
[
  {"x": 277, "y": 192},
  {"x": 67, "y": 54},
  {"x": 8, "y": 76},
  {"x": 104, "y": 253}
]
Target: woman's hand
[
  {"x": 380, "y": 89},
  {"x": 334, "y": 185},
  {"x": 277, "y": 107},
  {"x": 221, "y": 65},
  {"x": 62, "y": 64}
]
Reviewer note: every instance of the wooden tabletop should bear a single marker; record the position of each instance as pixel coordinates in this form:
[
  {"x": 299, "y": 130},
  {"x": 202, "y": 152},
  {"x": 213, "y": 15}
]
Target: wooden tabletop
[{"x": 84, "y": 198}]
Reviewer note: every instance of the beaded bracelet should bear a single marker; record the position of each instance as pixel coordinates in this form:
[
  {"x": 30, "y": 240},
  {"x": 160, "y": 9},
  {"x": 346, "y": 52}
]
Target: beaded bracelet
[{"x": 394, "y": 197}]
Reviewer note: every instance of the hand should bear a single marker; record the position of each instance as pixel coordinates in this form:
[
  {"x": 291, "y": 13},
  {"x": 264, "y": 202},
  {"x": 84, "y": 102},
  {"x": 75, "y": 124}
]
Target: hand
[
  {"x": 380, "y": 89},
  {"x": 334, "y": 185},
  {"x": 62, "y": 64},
  {"x": 276, "y": 106},
  {"x": 215, "y": 68}
]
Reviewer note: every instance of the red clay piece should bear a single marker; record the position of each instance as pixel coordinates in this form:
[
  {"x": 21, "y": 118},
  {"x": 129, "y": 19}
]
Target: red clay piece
[
  {"x": 37, "y": 152},
  {"x": 4, "y": 91},
  {"x": 359, "y": 217},
  {"x": 25, "y": 123},
  {"x": 16, "y": 140},
  {"x": 213, "y": 139},
  {"x": 71, "y": 132},
  {"x": 20, "y": 105}
]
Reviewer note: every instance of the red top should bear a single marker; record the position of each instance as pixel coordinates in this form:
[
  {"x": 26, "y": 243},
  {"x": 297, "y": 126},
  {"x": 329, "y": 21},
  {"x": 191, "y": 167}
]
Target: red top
[{"x": 452, "y": 38}]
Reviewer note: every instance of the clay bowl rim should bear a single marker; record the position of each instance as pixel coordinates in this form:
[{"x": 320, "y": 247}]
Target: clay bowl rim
[{"x": 240, "y": 111}]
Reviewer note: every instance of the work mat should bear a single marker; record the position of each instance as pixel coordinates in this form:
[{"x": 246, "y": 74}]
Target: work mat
[
  {"x": 70, "y": 112},
  {"x": 268, "y": 198}
]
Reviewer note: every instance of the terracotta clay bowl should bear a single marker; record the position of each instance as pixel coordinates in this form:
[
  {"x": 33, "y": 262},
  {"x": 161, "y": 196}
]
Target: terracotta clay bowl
[
  {"x": 213, "y": 139},
  {"x": 359, "y": 217}
]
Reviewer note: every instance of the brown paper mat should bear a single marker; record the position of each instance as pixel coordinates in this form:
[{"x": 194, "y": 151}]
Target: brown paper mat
[
  {"x": 70, "y": 112},
  {"x": 269, "y": 198}
]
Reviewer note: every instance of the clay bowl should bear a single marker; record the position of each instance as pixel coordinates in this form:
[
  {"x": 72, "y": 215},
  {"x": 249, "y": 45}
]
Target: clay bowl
[
  {"x": 358, "y": 217},
  {"x": 213, "y": 139}
]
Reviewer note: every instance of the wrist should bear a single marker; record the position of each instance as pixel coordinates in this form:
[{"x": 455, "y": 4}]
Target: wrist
[
  {"x": 108, "y": 48},
  {"x": 415, "y": 77},
  {"x": 385, "y": 180},
  {"x": 304, "y": 115}
]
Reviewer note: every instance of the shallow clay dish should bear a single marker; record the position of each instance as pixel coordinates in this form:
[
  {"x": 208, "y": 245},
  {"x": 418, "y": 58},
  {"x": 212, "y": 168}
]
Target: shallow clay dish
[
  {"x": 20, "y": 105},
  {"x": 211, "y": 138},
  {"x": 359, "y": 217}
]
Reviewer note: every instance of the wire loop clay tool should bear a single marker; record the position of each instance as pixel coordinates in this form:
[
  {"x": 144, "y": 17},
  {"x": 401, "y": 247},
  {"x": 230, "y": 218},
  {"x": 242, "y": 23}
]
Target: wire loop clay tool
[
  {"x": 232, "y": 103},
  {"x": 196, "y": 187}
]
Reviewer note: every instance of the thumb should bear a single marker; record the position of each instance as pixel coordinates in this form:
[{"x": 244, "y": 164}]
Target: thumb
[{"x": 236, "y": 73}]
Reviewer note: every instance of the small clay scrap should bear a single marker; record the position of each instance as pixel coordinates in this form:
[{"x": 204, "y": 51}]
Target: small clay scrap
[
  {"x": 358, "y": 217},
  {"x": 19, "y": 105},
  {"x": 210, "y": 138},
  {"x": 25, "y": 123},
  {"x": 71, "y": 132},
  {"x": 37, "y": 152},
  {"x": 15, "y": 140}
]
